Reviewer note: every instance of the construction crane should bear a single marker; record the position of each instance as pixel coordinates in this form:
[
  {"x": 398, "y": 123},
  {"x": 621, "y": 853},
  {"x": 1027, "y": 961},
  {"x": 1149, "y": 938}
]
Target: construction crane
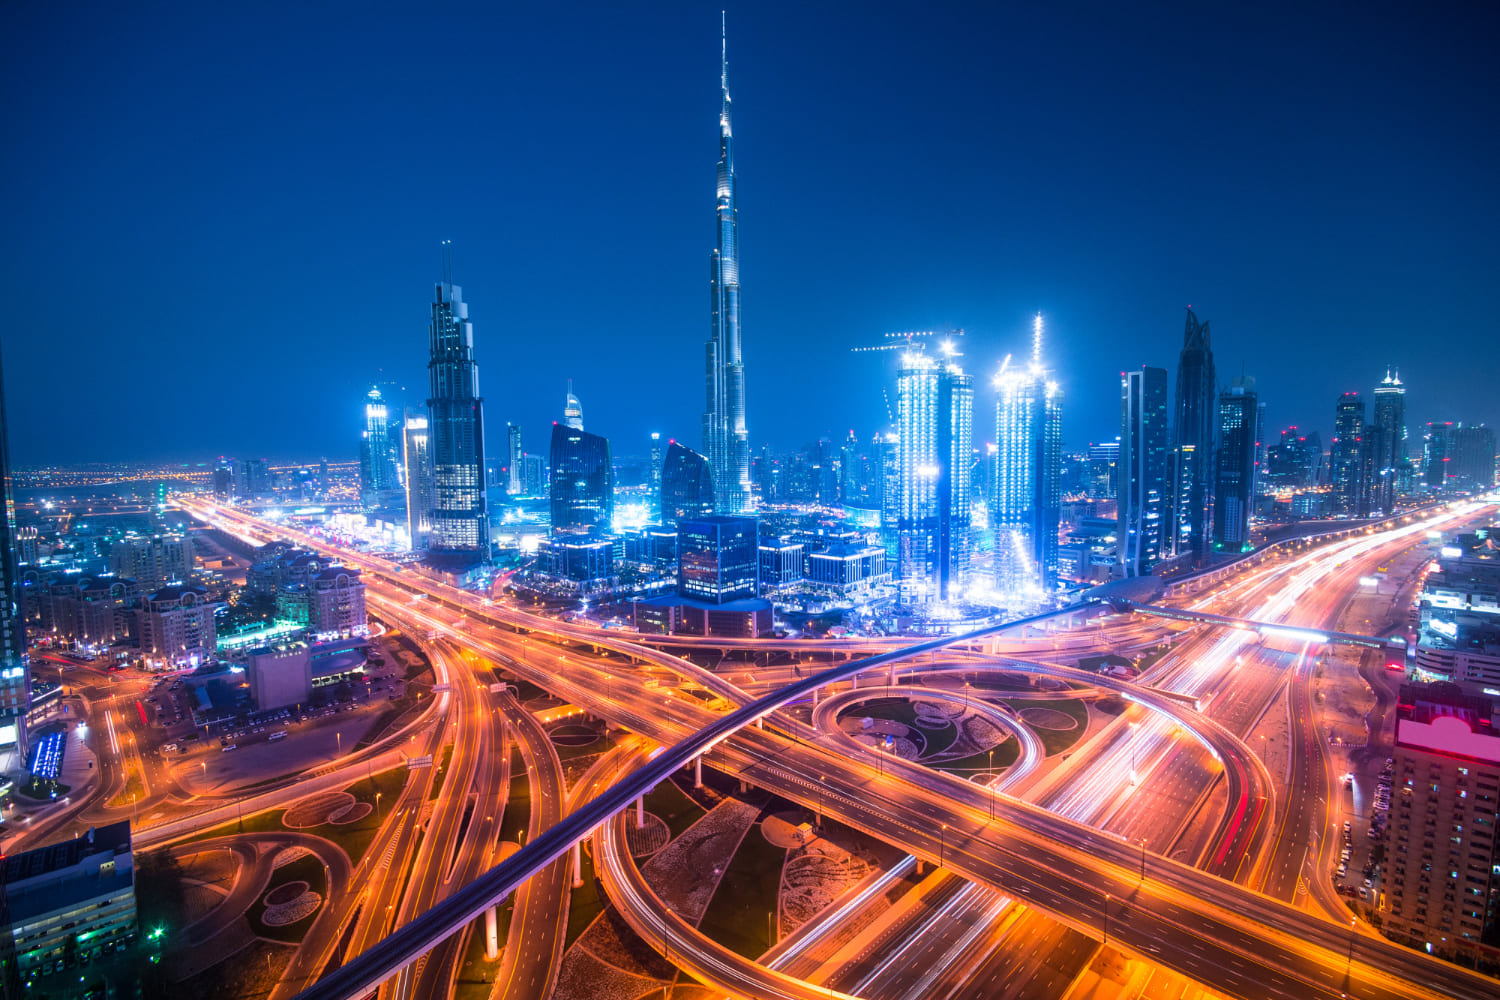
[{"x": 913, "y": 340}]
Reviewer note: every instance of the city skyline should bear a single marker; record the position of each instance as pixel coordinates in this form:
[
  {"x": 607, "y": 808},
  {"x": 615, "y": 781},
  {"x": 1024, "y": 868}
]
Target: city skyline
[{"x": 372, "y": 330}]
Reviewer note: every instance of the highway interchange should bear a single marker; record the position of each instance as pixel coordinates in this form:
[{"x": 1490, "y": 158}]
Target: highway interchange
[{"x": 1041, "y": 879}]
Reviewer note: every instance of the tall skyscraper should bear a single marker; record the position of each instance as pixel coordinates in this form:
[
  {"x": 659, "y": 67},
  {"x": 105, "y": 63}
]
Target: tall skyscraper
[
  {"x": 1389, "y": 441},
  {"x": 514, "y": 474},
  {"x": 417, "y": 457},
  {"x": 1145, "y": 526},
  {"x": 1437, "y": 454},
  {"x": 15, "y": 669},
  {"x": 378, "y": 479},
  {"x": 1347, "y": 455},
  {"x": 1193, "y": 444},
  {"x": 934, "y": 442},
  {"x": 1474, "y": 456},
  {"x": 656, "y": 460},
  {"x": 460, "y": 521},
  {"x": 583, "y": 488},
  {"x": 1025, "y": 483},
  {"x": 687, "y": 486},
  {"x": 726, "y": 442},
  {"x": 1234, "y": 476}
]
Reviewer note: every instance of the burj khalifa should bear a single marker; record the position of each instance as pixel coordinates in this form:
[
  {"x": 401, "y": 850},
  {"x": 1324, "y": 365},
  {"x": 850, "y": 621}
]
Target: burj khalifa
[{"x": 726, "y": 443}]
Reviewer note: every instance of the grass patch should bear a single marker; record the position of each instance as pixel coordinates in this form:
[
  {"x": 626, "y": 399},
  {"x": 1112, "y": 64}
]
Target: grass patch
[
  {"x": 305, "y": 869},
  {"x": 1057, "y": 740},
  {"x": 586, "y": 903},
  {"x": 674, "y": 807},
  {"x": 355, "y": 838},
  {"x": 517, "y": 815},
  {"x": 442, "y": 772},
  {"x": 749, "y": 890},
  {"x": 268, "y": 821},
  {"x": 1005, "y": 755},
  {"x": 248, "y": 974}
]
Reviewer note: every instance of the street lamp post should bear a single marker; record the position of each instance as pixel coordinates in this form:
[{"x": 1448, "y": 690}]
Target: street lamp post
[
  {"x": 991, "y": 771},
  {"x": 942, "y": 845},
  {"x": 1349, "y": 966},
  {"x": 821, "y": 779},
  {"x": 1143, "y": 860},
  {"x": 1106, "y": 918}
]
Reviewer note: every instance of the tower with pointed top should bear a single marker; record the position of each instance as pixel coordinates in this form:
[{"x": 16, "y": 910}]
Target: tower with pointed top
[
  {"x": 572, "y": 410},
  {"x": 726, "y": 443},
  {"x": 1193, "y": 444},
  {"x": 1389, "y": 441}
]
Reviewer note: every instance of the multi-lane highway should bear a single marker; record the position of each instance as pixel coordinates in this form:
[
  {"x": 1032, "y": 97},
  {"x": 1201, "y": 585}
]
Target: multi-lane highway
[{"x": 1060, "y": 869}]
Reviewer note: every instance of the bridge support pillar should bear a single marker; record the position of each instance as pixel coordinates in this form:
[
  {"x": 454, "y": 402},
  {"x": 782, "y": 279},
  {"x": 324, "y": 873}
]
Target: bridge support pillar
[
  {"x": 491, "y": 935},
  {"x": 815, "y": 697},
  {"x": 640, "y": 812},
  {"x": 760, "y": 723},
  {"x": 578, "y": 864},
  {"x": 698, "y": 771},
  {"x": 854, "y": 682}
]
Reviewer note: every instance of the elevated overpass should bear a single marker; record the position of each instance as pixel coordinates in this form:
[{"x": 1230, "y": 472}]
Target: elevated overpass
[{"x": 1268, "y": 629}]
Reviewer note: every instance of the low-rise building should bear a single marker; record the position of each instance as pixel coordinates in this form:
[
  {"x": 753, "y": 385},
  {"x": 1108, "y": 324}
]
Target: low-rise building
[
  {"x": 70, "y": 900},
  {"x": 177, "y": 626},
  {"x": 336, "y": 604},
  {"x": 851, "y": 571}
]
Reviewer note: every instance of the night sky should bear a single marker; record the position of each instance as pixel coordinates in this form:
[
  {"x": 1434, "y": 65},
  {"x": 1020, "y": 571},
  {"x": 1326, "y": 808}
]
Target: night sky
[{"x": 223, "y": 224}]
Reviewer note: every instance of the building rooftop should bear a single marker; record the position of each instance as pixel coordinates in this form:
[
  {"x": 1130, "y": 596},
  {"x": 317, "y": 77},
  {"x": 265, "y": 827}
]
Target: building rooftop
[{"x": 113, "y": 838}]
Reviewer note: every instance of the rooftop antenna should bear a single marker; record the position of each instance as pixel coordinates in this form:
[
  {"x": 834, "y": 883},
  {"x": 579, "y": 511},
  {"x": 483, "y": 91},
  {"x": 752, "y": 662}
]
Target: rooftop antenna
[{"x": 723, "y": 52}]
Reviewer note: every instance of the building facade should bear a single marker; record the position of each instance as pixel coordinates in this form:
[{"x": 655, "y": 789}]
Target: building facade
[
  {"x": 177, "y": 627},
  {"x": 934, "y": 442},
  {"x": 15, "y": 667},
  {"x": 460, "y": 521},
  {"x": 152, "y": 560},
  {"x": 718, "y": 559},
  {"x": 1442, "y": 864},
  {"x": 336, "y": 604},
  {"x": 1234, "y": 468},
  {"x": 726, "y": 442},
  {"x": 70, "y": 901},
  {"x": 1192, "y": 461},
  {"x": 416, "y": 440},
  {"x": 1347, "y": 458},
  {"x": 686, "y": 485},
  {"x": 1146, "y": 522},
  {"x": 583, "y": 490},
  {"x": 1388, "y": 442},
  {"x": 379, "y": 480},
  {"x": 1025, "y": 489}
]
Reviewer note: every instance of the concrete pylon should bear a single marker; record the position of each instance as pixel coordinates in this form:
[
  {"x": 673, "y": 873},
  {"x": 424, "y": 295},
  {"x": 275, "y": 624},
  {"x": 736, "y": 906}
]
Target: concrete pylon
[
  {"x": 698, "y": 771},
  {"x": 640, "y": 812},
  {"x": 491, "y": 935},
  {"x": 578, "y": 864}
]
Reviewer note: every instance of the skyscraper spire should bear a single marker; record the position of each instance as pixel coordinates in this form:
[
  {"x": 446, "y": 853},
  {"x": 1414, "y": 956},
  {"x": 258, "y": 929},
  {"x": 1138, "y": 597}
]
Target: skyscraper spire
[
  {"x": 1036, "y": 342},
  {"x": 726, "y": 442}
]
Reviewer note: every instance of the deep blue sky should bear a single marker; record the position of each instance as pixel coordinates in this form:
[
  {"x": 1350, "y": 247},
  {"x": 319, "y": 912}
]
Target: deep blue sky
[{"x": 222, "y": 224}]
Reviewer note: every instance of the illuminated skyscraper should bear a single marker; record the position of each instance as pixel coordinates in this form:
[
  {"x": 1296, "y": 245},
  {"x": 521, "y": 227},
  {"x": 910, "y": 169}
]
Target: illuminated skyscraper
[
  {"x": 1437, "y": 454},
  {"x": 1389, "y": 441},
  {"x": 460, "y": 520},
  {"x": 687, "y": 486},
  {"x": 514, "y": 460},
  {"x": 15, "y": 672},
  {"x": 726, "y": 442},
  {"x": 1192, "y": 468},
  {"x": 1234, "y": 475},
  {"x": 1025, "y": 488},
  {"x": 934, "y": 443},
  {"x": 417, "y": 457},
  {"x": 656, "y": 460},
  {"x": 1143, "y": 470},
  {"x": 378, "y": 481},
  {"x": 583, "y": 489},
  {"x": 1347, "y": 455}
]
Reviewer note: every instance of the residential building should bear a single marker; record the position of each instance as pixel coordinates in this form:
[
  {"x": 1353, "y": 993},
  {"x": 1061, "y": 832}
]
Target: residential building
[
  {"x": 69, "y": 902},
  {"x": 1347, "y": 456},
  {"x": 934, "y": 441},
  {"x": 152, "y": 560},
  {"x": 1442, "y": 866},
  {"x": 1388, "y": 442},
  {"x": 177, "y": 627}
]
